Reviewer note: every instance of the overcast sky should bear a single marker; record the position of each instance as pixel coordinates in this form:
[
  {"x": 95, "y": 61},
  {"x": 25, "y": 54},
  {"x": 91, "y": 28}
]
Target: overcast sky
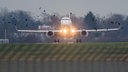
[{"x": 78, "y": 7}]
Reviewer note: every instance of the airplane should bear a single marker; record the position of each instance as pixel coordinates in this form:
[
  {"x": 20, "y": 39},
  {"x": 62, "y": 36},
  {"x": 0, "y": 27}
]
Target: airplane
[{"x": 67, "y": 31}]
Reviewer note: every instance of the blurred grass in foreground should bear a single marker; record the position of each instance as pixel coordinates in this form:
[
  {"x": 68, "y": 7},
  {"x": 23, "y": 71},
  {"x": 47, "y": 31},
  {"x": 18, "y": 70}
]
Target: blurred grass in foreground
[{"x": 113, "y": 51}]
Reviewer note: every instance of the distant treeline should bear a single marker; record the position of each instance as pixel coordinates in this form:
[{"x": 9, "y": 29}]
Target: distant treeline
[{"x": 11, "y": 20}]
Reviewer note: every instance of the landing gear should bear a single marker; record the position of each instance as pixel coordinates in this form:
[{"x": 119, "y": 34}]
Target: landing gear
[
  {"x": 56, "y": 40},
  {"x": 78, "y": 40}
]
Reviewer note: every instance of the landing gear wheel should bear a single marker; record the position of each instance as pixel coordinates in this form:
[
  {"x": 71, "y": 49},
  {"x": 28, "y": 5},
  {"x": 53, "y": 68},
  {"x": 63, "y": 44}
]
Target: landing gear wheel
[
  {"x": 78, "y": 40},
  {"x": 56, "y": 40}
]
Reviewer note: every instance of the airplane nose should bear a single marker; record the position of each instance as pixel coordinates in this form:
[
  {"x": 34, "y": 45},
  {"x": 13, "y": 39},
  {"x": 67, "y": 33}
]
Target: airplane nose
[{"x": 65, "y": 31}]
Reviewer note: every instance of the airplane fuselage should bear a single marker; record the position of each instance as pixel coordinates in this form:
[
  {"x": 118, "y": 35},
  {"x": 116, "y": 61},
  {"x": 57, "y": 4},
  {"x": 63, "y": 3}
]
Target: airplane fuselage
[{"x": 67, "y": 28}]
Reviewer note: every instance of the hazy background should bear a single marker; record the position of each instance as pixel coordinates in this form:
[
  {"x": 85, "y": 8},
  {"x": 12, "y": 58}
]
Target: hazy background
[{"x": 79, "y": 7}]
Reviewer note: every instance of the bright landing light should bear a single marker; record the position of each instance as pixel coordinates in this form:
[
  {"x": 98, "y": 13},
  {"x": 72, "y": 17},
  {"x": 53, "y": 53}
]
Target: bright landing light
[
  {"x": 73, "y": 30},
  {"x": 65, "y": 31}
]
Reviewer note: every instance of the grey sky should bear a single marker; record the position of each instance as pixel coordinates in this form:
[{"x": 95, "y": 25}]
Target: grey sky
[{"x": 78, "y": 7}]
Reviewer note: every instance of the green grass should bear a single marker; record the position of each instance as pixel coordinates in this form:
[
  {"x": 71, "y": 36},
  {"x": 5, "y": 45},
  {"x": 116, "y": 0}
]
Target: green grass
[{"x": 113, "y": 51}]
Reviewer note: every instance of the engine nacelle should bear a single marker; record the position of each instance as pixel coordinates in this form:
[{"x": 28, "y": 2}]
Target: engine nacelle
[
  {"x": 84, "y": 33},
  {"x": 50, "y": 34}
]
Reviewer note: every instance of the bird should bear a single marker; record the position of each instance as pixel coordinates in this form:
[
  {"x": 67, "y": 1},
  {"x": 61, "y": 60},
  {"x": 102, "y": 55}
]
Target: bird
[
  {"x": 112, "y": 22},
  {"x": 26, "y": 19},
  {"x": 39, "y": 8},
  {"x": 118, "y": 23},
  {"x": 44, "y": 11}
]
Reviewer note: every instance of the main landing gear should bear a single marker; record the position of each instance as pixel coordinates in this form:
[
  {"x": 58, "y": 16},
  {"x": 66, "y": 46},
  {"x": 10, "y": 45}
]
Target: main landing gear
[
  {"x": 56, "y": 40},
  {"x": 78, "y": 40}
]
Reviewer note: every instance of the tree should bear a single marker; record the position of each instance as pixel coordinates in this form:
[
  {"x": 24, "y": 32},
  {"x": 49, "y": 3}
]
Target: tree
[
  {"x": 90, "y": 21},
  {"x": 10, "y": 20},
  {"x": 55, "y": 21}
]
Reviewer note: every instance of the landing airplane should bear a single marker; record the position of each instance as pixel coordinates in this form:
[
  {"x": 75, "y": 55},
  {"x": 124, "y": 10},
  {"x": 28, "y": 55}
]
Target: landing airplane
[{"x": 67, "y": 30}]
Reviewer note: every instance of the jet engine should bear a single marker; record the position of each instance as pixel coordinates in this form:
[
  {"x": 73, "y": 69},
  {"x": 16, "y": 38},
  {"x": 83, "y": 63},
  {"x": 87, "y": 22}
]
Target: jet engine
[
  {"x": 50, "y": 33},
  {"x": 84, "y": 33}
]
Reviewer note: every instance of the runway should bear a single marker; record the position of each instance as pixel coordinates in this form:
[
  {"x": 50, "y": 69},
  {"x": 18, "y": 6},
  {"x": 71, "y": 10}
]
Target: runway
[
  {"x": 83, "y": 57},
  {"x": 62, "y": 66}
]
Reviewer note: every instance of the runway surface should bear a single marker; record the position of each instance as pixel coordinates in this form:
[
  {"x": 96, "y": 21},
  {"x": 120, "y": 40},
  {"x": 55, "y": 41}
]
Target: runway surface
[{"x": 78, "y": 57}]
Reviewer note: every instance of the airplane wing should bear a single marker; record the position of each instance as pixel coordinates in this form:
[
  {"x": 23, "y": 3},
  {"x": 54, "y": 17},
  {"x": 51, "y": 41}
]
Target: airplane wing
[
  {"x": 38, "y": 31},
  {"x": 88, "y": 30},
  {"x": 98, "y": 30}
]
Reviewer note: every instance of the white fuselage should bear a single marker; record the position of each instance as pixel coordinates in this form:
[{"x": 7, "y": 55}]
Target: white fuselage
[
  {"x": 66, "y": 21},
  {"x": 67, "y": 27}
]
